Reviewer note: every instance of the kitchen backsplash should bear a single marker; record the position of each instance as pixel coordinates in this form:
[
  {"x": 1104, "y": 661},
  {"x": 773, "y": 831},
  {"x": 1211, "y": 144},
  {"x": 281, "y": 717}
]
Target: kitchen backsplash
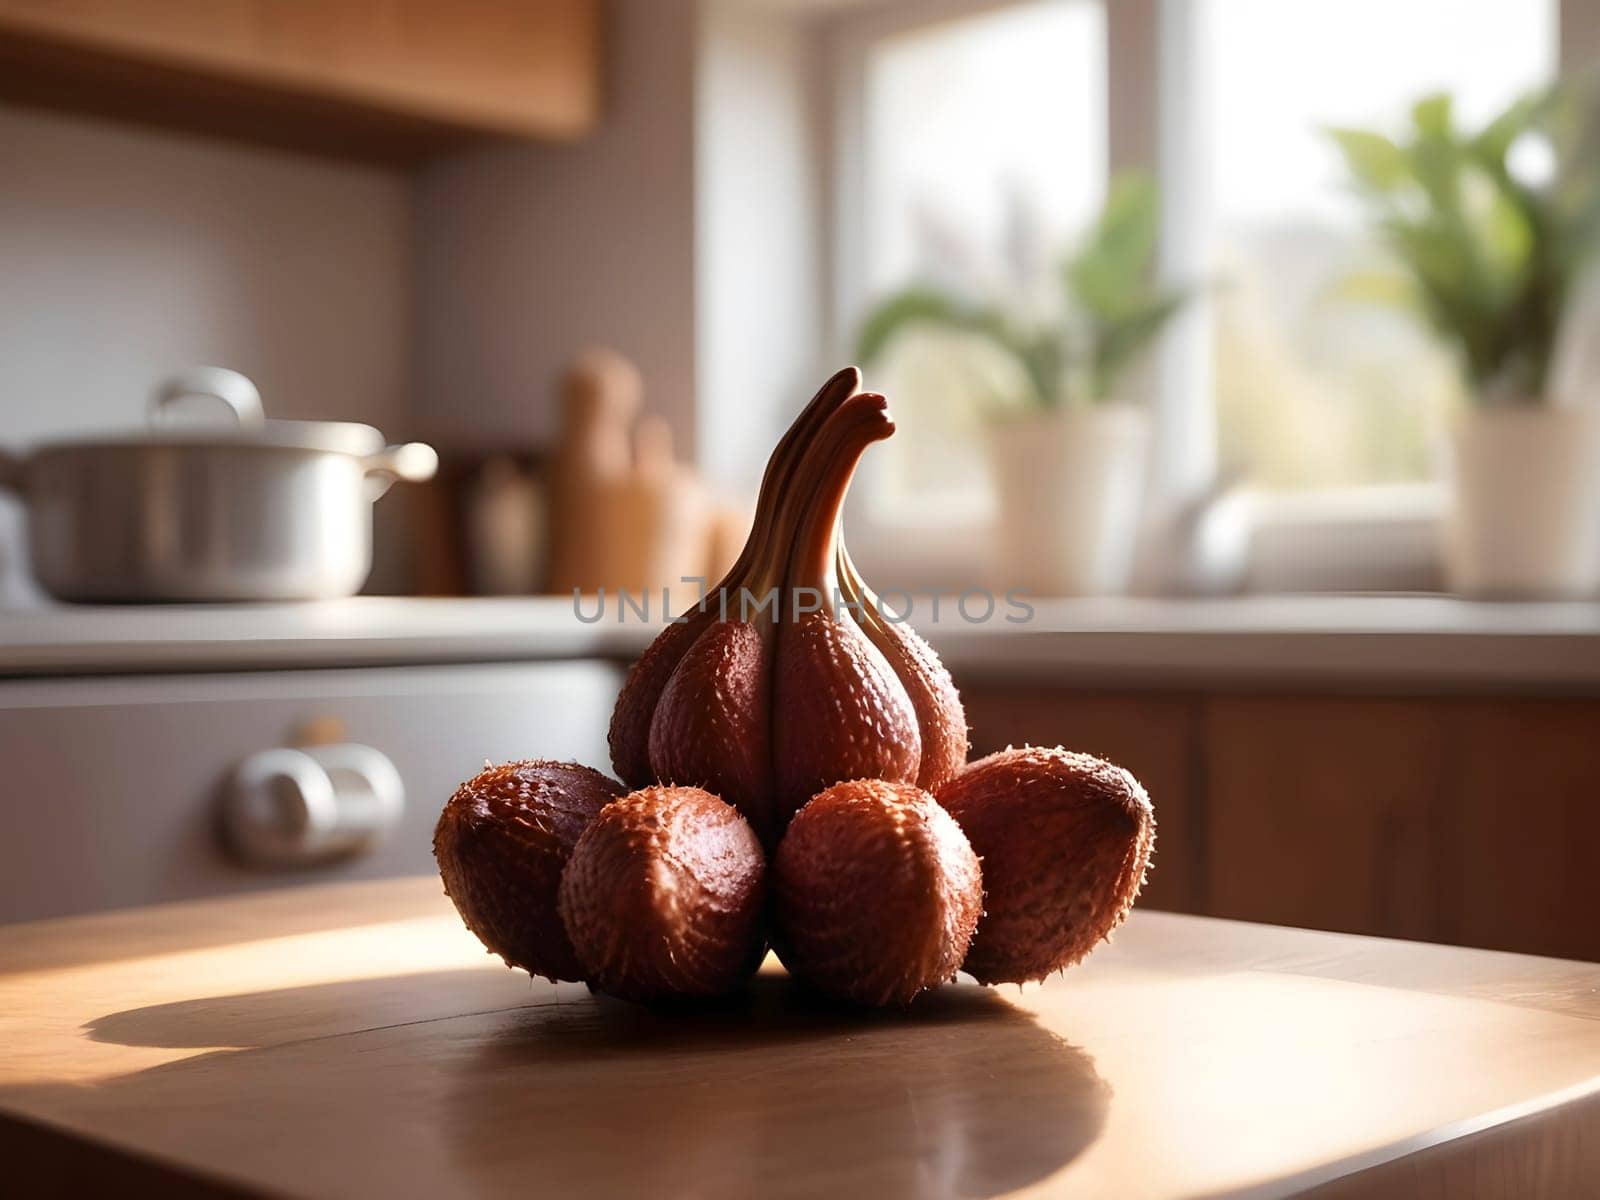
[{"x": 131, "y": 254}]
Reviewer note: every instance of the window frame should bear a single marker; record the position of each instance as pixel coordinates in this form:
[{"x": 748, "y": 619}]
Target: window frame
[
  {"x": 916, "y": 554},
  {"x": 1153, "y": 124}
]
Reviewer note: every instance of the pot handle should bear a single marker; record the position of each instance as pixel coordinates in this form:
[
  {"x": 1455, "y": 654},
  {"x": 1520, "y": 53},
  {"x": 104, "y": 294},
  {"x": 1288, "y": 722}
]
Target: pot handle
[
  {"x": 415, "y": 462},
  {"x": 215, "y": 383}
]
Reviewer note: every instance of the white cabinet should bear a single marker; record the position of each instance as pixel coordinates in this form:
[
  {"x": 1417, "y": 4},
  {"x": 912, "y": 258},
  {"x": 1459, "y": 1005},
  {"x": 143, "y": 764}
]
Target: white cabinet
[{"x": 110, "y": 786}]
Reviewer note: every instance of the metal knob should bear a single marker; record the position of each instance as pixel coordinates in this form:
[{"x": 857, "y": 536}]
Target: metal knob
[{"x": 293, "y": 807}]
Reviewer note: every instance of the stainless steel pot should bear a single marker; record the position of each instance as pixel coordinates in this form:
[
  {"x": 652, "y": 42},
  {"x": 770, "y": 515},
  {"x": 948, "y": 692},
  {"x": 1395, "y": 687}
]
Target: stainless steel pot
[{"x": 258, "y": 510}]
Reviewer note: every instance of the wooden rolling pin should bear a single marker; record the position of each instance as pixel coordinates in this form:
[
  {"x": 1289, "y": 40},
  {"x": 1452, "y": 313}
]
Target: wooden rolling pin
[{"x": 626, "y": 513}]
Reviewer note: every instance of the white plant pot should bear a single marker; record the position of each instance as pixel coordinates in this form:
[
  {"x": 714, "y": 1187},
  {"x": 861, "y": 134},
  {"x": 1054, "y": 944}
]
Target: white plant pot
[
  {"x": 1524, "y": 517},
  {"x": 1069, "y": 487}
]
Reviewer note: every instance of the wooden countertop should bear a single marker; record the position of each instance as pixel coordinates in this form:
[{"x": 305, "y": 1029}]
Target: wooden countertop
[
  {"x": 1366, "y": 642},
  {"x": 355, "y": 1041}
]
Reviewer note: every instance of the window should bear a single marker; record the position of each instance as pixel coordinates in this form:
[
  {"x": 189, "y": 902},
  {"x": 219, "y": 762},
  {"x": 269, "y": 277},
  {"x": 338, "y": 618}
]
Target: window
[
  {"x": 972, "y": 143},
  {"x": 1314, "y": 388},
  {"x": 971, "y": 121},
  {"x": 983, "y": 152}
]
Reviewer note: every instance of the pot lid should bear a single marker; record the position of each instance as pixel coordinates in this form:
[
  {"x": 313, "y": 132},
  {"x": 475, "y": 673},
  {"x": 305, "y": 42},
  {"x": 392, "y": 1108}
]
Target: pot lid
[{"x": 240, "y": 420}]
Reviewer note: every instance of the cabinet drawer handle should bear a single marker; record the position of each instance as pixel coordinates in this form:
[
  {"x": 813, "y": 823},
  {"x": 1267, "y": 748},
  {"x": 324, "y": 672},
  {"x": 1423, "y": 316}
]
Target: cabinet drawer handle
[{"x": 294, "y": 807}]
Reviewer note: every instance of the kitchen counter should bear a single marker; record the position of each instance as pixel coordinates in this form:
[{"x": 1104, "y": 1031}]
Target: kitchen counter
[
  {"x": 1325, "y": 641},
  {"x": 362, "y": 631},
  {"x": 355, "y": 1040}
]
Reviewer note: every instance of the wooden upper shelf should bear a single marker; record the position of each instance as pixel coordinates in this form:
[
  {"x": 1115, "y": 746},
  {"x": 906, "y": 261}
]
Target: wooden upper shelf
[{"x": 387, "y": 80}]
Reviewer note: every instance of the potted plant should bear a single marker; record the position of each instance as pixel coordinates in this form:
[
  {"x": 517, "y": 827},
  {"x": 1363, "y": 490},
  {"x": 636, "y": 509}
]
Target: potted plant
[
  {"x": 1068, "y": 449},
  {"x": 1491, "y": 230}
]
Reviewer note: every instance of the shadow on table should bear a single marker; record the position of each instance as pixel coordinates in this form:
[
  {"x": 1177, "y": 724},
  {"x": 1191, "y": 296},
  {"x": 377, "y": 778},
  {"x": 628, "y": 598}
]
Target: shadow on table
[
  {"x": 774, "y": 1092},
  {"x": 284, "y": 1015},
  {"x": 781, "y": 1093}
]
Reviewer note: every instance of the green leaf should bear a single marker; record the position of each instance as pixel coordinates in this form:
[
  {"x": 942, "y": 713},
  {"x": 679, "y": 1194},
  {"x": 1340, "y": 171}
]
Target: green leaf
[
  {"x": 1432, "y": 250},
  {"x": 1496, "y": 138},
  {"x": 925, "y": 306},
  {"x": 1432, "y": 116},
  {"x": 1107, "y": 273},
  {"x": 1506, "y": 237},
  {"x": 1492, "y": 259},
  {"x": 1109, "y": 286},
  {"x": 1373, "y": 159},
  {"x": 1437, "y": 167},
  {"x": 1387, "y": 289},
  {"x": 1120, "y": 343},
  {"x": 891, "y": 316},
  {"x": 1113, "y": 305}
]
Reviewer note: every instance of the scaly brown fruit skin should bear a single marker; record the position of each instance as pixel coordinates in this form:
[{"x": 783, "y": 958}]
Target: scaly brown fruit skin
[
  {"x": 941, "y": 719},
  {"x": 839, "y": 713},
  {"x": 727, "y": 718},
  {"x": 761, "y": 697},
  {"x": 664, "y": 896},
  {"x": 839, "y": 710},
  {"x": 876, "y": 893},
  {"x": 1065, "y": 841},
  {"x": 629, "y": 735},
  {"x": 502, "y": 842},
  {"x": 710, "y": 728}
]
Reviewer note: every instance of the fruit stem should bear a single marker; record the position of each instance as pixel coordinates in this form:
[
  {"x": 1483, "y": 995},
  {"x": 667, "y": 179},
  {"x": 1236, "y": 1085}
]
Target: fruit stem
[
  {"x": 821, "y": 485},
  {"x": 854, "y": 588},
  {"x": 766, "y": 551}
]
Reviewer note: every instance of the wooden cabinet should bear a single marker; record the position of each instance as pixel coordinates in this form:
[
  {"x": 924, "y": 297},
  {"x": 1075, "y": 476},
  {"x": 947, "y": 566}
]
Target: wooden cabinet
[
  {"x": 1323, "y": 811},
  {"x": 1444, "y": 818},
  {"x": 1524, "y": 827},
  {"x": 364, "y": 78}
]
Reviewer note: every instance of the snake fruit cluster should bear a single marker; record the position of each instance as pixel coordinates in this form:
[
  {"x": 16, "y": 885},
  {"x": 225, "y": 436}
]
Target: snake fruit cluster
[{"x": 792, "y": 765}]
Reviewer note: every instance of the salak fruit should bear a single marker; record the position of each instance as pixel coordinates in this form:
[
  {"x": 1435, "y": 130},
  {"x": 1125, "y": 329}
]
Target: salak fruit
[
  {"x": 665, "y": 896},
  {"x": 1065, "y": 841},
  {"x": 790, "y": 676},
  {"x": 502, "y": 843},
  {"x": 792, "y": 713},
  {"x": 876, "y": 893}
]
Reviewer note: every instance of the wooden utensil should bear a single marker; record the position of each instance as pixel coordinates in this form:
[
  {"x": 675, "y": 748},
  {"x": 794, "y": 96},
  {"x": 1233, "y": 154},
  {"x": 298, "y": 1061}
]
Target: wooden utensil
[{"x": 627, "y": 514}]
